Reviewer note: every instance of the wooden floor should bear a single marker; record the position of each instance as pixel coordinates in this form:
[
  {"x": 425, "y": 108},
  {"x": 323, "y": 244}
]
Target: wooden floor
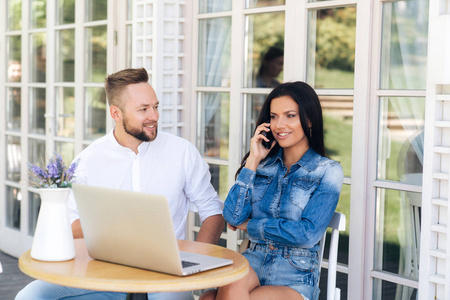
[{"x": 12, "y": 280}]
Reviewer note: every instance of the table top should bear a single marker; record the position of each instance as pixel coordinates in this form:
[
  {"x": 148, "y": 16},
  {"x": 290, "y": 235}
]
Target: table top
[{"x": 85, "y": 272}]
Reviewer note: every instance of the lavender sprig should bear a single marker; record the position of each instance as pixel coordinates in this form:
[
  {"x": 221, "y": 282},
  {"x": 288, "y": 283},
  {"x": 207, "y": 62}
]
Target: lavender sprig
[{"x": 55, "y": 175}]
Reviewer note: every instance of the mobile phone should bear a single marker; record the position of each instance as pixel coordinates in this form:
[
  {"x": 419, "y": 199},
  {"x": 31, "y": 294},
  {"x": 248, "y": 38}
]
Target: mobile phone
[{"x": 269, "y": 135}]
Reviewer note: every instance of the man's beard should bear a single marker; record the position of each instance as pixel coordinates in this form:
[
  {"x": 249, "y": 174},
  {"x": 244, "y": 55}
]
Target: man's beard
[{"x": 139, "y": 134}]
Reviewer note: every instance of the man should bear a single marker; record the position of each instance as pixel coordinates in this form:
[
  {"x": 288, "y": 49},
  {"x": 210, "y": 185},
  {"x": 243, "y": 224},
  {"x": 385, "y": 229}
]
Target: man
[{"x": 135, "y": 156}]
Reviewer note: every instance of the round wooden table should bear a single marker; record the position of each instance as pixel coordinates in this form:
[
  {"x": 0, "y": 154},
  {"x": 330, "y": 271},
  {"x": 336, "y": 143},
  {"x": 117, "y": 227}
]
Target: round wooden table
[{"x": 87, "y": 273}]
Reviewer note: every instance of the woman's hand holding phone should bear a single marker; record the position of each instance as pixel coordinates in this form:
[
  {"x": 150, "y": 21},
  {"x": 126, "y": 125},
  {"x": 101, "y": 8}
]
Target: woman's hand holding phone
[{"x": 260, "y": 146}]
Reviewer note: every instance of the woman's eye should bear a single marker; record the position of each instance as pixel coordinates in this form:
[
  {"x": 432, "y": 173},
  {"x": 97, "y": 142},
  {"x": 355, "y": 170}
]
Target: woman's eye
[{"x": 291, "y": 116}]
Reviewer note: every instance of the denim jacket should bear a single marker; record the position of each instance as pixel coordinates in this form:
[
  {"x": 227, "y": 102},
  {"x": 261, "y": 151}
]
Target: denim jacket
[{"x": 292, "y": 208}]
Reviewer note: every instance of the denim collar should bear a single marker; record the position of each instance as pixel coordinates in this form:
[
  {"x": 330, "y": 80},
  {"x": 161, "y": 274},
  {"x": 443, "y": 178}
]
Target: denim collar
[{"x": 310, "y": 160}]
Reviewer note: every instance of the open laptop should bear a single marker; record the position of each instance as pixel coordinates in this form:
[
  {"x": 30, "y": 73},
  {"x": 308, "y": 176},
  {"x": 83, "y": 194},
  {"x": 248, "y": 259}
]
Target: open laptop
[{"x": 135, "y": 229}]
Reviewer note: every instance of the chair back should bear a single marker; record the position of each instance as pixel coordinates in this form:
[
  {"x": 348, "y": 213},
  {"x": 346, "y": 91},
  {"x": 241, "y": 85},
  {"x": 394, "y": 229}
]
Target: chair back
[{"x": 336, "y": 224}]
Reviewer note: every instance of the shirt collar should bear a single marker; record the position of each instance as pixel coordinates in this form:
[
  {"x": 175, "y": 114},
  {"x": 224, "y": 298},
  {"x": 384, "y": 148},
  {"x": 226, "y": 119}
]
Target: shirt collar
[
  {"x": 310, "y": 160},
  {"x": 141, "y": 148}
]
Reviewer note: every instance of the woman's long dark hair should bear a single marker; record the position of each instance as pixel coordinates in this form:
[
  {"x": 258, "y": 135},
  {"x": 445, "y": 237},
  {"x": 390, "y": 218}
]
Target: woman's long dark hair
[{"x": 310, "y": 112}]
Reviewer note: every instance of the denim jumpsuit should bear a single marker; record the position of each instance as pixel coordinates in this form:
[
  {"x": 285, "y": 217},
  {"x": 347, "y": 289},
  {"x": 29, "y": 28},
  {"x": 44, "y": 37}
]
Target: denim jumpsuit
[{"x": 288, "y": 214}]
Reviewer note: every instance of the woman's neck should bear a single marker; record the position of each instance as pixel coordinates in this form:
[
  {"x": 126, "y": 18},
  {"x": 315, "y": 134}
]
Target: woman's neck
[{"x": 293, "y": 155}]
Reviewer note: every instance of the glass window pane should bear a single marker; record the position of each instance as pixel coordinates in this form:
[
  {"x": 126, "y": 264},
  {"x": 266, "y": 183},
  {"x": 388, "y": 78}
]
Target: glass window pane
[
  {"x": 211, "y": 6},
  {"x": 219, "y": 180},
  {"x": 33, "y": 211},
  {"x": 13, "y": 107},
  {"x": 265, "y": 50},
  {"x": 259, "y": 3},
  {"x": 66, "y": 150},
  {"x": 14, "y": 52},
  {"x": 95, "y": 113},
  {"x": 36, "y": 154},
  {"x": 65, "y": 12},
  {"x": 214, "y": 124},
  {"x": 129, "y": 46},
  {"x": 331, "y": 48},
  {"x": 96, "y": 10},
  {"x": 96, "y": 54},
  {"x": 400, "y": 139},
  {"x": 214, "y": 52},
  {"x": 389, "y": 290},
  {"x": 253, "y": 104},
  {"x": 129, "y": 9},
  {"x": 37, "y": 111},
  {"x": 65, "y": 55},
  {"x": 397, "y": 234},
  {"x": 13, "y": 158},
  {"x": 338, "y": 121},
  {"x": 38, "y": 13},
  {"x": 13, "y": 198},
  {"x": 65, "y": 111},
  {"x": 14, "y": 15},
  {"x": 38, "y": 57},
  {"x": 404, "y": 45}
]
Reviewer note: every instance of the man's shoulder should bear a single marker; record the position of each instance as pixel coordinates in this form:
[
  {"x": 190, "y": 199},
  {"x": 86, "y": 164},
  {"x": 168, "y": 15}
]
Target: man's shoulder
[{"x": 166, "y": 139}]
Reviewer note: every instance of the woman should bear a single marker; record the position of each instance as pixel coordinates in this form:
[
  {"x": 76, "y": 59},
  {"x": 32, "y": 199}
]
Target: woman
[
  {"x": 284, "y": 197},
  {"x": 270, "y": 68}
]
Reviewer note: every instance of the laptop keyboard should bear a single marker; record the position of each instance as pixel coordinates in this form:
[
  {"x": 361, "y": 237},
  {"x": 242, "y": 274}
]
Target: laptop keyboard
[{"x": 186, "y": 264}]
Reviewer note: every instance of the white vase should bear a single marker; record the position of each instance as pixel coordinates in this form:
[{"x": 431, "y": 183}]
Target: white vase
[{"x": 53, "y": 239}]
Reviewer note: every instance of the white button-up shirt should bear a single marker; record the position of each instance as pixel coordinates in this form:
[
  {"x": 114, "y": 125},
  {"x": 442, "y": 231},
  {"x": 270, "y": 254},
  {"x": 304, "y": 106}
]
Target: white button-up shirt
[{"x": 169, "y": 166}]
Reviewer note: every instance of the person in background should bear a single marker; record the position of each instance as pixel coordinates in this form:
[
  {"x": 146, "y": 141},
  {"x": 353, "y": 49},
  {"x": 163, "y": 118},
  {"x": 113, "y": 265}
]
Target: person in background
[
  {"x": 135, "y": 156},
  {"x": 284, "y": 198},
  {"x": 271, "y": 66}
]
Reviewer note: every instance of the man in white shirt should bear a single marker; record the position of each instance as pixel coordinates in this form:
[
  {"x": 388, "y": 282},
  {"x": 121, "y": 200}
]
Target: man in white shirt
[{"x": 135, "y": 156}]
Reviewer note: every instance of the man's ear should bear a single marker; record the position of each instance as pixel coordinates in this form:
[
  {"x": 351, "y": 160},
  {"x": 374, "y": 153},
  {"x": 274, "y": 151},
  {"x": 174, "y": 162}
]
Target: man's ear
[{"x": 115, "y": 112}]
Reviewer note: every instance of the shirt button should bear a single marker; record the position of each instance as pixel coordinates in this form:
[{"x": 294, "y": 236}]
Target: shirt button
[{"x": 271, "y": 247}]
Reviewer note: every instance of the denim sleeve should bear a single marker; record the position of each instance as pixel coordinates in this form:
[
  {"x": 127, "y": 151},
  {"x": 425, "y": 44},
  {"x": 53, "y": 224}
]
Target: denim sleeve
[
  {"x": 315, "y": 217},
  {"x": 238, "y": 207}
]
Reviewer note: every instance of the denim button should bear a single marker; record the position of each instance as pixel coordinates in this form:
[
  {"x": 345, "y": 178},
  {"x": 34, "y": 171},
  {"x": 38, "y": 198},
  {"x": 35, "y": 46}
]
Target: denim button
[{"x": 271, "y": 247}]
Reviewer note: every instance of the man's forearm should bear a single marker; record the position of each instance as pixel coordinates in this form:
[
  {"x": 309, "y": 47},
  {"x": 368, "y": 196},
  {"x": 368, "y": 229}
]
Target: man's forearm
[
  {"x": 211, "y": 229},
  {"x": 76, "y": 230}
]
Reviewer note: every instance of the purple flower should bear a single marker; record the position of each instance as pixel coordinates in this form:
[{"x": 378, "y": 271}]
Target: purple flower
[{"x": 55, "y": 175}]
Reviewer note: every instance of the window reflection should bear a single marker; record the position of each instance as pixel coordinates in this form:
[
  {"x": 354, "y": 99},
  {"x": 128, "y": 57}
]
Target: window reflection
[
  {"x": 331, "y": 49},
  {"x": 13, "y": 198},
  {"x": 253, "y": 104},
  {"x": 95, "y": 113},
  {"x": 262, "y": 3},
  {"x": 13, "y": 158},
  {"x": 38, "y": 13},
  {"x": 404, "y": 45},
  {"x": 65, "y": 57},
  {"x": 38, "y": 58},
  {"x": 96, "y": 54},
  {"x": 37, "y": 111},
  {"x": 65, "y": 111},
  {"x": 397, "y": 238},
  {"x": 66, "y": 150},
  {"x": 337, "y": 114},
  {"x": 13, "y": 108},
  {"x": 265, "y": 50},
  {"x": 400, "y": 139},
  {"x": 214, "y": 52},
  {"x": 211, "y": 6},
  {"x": 14, "y": 14},
  {"x": 65, "y": 12},
  {"x": 33, "y": 211},
  {"x": 14, "y": 52},
  {"x": 219, "y": 179},
  {"x": 215, "y": 124},
  {"x": 96, "y": 10}
]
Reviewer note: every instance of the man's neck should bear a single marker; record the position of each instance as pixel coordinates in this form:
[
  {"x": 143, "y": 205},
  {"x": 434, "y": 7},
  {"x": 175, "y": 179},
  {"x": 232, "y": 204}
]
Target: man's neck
[{"x": 126, "y": 140}]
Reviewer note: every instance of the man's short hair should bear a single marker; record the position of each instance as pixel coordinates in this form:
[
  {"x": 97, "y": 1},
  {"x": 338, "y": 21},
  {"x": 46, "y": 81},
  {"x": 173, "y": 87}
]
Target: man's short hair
[{"x": 116, "y": 83}]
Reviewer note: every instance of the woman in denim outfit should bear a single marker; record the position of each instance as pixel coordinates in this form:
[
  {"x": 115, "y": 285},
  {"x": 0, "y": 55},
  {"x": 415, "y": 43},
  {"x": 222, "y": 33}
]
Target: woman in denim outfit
[{"x": 284, "y": 197}]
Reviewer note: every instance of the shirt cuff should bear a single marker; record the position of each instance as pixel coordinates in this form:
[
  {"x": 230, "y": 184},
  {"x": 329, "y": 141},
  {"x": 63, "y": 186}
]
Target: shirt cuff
[
  {"x": 255, "y": 228},
  {"x": 246, "y": 178}
]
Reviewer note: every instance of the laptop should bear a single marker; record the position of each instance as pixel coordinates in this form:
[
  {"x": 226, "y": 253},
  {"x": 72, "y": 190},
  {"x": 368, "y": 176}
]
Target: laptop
[{"x": 135, "y": 229}]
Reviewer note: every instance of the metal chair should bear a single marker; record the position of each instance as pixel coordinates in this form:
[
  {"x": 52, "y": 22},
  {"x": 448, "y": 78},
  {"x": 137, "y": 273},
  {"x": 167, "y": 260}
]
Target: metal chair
[{"x": 337, "y": 224}]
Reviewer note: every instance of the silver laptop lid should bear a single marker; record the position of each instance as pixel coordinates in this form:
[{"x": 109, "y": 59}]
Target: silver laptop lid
[{"x": 128, "y": 228}]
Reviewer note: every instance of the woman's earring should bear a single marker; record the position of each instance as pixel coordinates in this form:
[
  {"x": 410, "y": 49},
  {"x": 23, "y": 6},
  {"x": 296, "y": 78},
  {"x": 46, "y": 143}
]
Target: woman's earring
[{"x": 310, "y": 132}]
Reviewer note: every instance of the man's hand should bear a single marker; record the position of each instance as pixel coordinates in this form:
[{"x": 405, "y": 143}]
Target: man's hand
[{"x": 211, "y": 229}]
